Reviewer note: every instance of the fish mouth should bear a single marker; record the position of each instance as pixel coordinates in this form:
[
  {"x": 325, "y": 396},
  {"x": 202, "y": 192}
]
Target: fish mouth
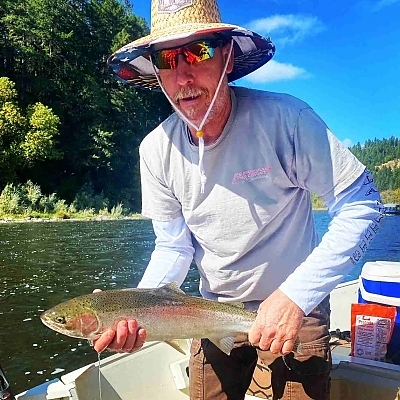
[{"x": 47, "y": 321}]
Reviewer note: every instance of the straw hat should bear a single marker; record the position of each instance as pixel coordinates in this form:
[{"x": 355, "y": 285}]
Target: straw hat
[{"x": 181, "y": 19}]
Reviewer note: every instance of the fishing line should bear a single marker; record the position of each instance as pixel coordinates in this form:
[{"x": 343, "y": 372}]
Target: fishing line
[{"x": 100, "y": 391}]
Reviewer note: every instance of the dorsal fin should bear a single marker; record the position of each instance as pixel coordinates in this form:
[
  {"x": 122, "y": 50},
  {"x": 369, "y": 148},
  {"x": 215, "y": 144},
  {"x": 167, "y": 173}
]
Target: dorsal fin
[
  {"x": 174, "y": 287},
  {"x": 237, "y": 304}
]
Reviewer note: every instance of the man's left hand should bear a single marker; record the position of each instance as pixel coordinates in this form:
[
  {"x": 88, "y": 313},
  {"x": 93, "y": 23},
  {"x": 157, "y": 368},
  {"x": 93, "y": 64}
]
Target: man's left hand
[{"x": 277, "y": 325}]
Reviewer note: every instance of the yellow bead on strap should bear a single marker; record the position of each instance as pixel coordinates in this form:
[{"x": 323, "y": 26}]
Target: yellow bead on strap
[{"x": 199, "y": 134}]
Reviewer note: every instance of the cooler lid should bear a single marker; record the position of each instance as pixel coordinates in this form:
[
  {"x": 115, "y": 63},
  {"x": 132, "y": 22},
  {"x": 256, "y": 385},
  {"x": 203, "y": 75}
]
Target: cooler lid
[{"x": 387, "y": 271}]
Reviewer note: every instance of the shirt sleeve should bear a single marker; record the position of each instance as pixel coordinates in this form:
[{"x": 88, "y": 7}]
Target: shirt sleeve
[
  {"x": 158, "y": 201},
  {"x": 321, "y": 164},
  {"x": 172, "y": 255},
  {"x": 356, "y": 212}
]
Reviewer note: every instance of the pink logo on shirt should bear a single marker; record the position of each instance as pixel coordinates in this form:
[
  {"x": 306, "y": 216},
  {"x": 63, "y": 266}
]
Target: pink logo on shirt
[{"x": 251, "y": 175}]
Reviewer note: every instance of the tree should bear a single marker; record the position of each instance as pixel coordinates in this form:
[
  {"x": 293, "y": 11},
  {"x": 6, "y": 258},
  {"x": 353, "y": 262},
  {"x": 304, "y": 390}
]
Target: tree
[{"x": 25, "y": 138}]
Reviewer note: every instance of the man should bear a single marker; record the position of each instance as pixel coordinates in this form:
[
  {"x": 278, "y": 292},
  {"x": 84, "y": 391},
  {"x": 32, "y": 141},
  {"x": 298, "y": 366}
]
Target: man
[{"x": 227, "y": 181}]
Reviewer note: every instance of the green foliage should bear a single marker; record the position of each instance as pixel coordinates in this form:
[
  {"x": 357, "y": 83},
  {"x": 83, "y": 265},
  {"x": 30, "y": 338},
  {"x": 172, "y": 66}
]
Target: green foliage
[
  {"x": 317, "y": 202},
  {"x": 87, "y": 128},
  {"x": 33, "y": 193},
  {"x": 69, "y": 126},
  {"x": 374, "y": 154},
  {"x": 25, "y": 138},
  {"x": 39, "y": 143},
  {"x": 47, "y": 203},
  {"x": 391, "y": 196},
  {"x": 61, "y": 206},
  {"x": 8, "y": 93},
  {"x": 10, "y": 200},
  {"x": 117, "y": 211},
  {"x": 87, "y": 199},
  {"x": 62, "y": 215},
  {"x": 28, "y": 200}
]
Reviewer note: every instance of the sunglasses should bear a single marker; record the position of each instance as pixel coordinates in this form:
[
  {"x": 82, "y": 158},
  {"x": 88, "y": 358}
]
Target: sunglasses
[{"x": 193, "y": 53}]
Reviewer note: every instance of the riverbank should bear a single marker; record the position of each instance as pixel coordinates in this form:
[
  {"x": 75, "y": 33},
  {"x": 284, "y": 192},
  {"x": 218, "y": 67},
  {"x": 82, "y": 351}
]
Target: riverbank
[
  {"x": 22, "y": 219},
  {"x": 6, "y": 220}
]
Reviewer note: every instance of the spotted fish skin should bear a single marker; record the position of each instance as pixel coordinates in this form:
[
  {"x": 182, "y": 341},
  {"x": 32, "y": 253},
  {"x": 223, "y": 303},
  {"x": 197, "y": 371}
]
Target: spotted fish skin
[{"x": 166, "y": 313}]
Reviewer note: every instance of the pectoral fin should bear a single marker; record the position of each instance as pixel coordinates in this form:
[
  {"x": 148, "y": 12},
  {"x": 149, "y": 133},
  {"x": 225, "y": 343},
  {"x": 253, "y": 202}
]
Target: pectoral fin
[
  {"x": 175, "y": 345},
  {"x": 225, "y": 344}
]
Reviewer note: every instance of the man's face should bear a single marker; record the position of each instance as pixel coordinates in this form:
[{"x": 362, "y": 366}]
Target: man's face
[{"x": 192, "y": 86}]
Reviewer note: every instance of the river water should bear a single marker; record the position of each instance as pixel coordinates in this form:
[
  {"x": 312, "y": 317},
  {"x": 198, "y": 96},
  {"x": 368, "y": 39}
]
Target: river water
[{"x": 44, "y": 263}]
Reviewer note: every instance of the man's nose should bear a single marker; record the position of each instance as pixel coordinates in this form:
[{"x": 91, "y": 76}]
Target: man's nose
[{"x": 184, "y": 70}]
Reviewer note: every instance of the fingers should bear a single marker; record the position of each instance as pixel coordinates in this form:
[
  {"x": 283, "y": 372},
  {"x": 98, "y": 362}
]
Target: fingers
[
  {"x": 275, "y": 345},
  {"x": 288, "y": 346},
  {"x": 135, "y": 339},
  {"x": 126, "y": 338},
  {"x": 121, "y": 336},
  {"x": 104, "y": 340},
  {"x": 280, "y": 344}
]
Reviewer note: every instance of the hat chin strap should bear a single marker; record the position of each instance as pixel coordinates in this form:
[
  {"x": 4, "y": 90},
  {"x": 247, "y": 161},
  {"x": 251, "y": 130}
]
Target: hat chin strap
[{"x": 199, "y": 132}]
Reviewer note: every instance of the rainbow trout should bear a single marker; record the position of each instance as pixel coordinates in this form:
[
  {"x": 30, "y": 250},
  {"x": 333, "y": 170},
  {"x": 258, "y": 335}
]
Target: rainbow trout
[{"x": 166, "y": 313}]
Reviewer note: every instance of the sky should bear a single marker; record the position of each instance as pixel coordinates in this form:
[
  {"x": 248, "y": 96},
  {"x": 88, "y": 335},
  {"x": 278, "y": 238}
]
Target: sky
[{"x": 340, "y": 56}]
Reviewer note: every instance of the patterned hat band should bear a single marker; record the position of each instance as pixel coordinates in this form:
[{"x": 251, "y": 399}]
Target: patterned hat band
[{"x": 187, "y": 19}]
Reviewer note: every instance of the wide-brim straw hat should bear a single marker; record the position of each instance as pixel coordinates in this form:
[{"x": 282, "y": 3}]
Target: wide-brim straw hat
[{"x": 187, "y": 19}]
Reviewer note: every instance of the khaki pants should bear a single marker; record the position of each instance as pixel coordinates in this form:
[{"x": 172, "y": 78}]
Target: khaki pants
[{"x": 298, "y": 376}]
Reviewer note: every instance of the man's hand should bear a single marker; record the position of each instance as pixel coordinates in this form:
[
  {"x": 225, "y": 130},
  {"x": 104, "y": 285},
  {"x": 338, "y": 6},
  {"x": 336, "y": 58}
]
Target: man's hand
[
  {"x": 126, "y": 338},
  {"x": 277, "y": 325}
]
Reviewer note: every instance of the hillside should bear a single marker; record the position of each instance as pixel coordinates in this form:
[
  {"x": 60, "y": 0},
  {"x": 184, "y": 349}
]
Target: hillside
[
  {"x": 382, "y": 158},
  {"x": 390, "y": 164}
]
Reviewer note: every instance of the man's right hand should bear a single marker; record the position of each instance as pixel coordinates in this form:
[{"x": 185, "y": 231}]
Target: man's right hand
[{"x": 126, "y": 338}]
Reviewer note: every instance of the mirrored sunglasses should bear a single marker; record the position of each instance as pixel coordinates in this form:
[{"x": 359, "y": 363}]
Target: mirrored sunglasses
[{"x": 193, "y": 53}]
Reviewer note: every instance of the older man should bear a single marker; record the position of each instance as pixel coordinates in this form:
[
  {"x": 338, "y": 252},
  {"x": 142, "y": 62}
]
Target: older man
[{"x": 227, "y": 180}]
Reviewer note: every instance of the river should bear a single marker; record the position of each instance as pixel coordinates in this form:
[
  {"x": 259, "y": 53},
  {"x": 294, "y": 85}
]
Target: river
[{"x": 44, "y": 263}]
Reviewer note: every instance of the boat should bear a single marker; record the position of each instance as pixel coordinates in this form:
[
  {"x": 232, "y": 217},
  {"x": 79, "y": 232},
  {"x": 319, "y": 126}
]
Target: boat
[
  {"x": 392, "y": 209},
  {"x": 159, "y": 372}
]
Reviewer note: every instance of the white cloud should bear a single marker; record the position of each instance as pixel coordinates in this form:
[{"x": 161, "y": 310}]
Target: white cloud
[
  {"x": 288, "y": 29},
  {"x": 347, "y": 142},
  {"x": 276, "y": 71},
  {"x": 382, "y": 4}
]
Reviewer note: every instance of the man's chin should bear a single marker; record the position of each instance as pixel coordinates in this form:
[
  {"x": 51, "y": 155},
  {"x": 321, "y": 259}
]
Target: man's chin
[{"x": 193, "y": 116}]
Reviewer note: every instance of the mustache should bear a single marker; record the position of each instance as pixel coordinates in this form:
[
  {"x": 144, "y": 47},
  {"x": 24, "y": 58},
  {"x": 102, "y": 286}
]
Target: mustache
[{"x": 188, "y": 92}]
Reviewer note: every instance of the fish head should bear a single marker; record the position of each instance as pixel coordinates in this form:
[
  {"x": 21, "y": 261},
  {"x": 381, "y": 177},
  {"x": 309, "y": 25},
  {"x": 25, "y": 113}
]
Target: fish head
[{"x": 73, "y": 318}]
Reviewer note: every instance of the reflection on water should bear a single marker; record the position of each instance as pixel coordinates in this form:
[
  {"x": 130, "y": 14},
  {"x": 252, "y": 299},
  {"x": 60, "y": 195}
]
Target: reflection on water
[{"x": 42, "y": 264}]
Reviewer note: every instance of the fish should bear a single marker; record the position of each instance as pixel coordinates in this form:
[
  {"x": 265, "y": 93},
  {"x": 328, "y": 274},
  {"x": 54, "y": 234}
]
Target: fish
[{"x": 166, "y": 313}]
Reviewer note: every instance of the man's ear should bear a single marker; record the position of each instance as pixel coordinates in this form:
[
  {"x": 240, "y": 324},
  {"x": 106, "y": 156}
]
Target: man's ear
[{"x": 225, "y": 52}]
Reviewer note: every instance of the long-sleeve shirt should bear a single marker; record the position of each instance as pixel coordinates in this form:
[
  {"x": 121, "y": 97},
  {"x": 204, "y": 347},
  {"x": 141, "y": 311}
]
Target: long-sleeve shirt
[{"x": 252, "y": 230}]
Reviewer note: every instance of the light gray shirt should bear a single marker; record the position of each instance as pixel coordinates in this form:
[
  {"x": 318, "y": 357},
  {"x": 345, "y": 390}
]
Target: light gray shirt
[{"x": 253, "y": 226}]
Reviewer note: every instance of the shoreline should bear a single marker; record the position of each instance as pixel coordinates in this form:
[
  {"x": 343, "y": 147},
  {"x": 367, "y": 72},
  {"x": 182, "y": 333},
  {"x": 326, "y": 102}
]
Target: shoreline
[
  {"x": 99, "y": 218},
  {"x": 9, "y": 220}
]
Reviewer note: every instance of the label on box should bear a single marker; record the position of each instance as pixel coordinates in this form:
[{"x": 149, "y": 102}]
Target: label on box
[{"x": 372, "y": 334}]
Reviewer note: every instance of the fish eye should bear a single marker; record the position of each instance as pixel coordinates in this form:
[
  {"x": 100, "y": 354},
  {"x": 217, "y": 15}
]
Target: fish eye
[{"x": 61, "y": 320}]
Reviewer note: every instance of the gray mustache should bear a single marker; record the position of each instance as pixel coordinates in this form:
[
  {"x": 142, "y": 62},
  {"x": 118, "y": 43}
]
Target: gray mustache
[{"x": 188, "y": 92}]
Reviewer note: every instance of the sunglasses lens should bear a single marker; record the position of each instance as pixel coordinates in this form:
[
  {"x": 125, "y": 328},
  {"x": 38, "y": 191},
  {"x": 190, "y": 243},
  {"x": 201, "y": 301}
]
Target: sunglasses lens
[
  {"x": 197, "y": 52},
  {"x": 193, "y": 52},
  {"x": 165, "y": 59}
]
